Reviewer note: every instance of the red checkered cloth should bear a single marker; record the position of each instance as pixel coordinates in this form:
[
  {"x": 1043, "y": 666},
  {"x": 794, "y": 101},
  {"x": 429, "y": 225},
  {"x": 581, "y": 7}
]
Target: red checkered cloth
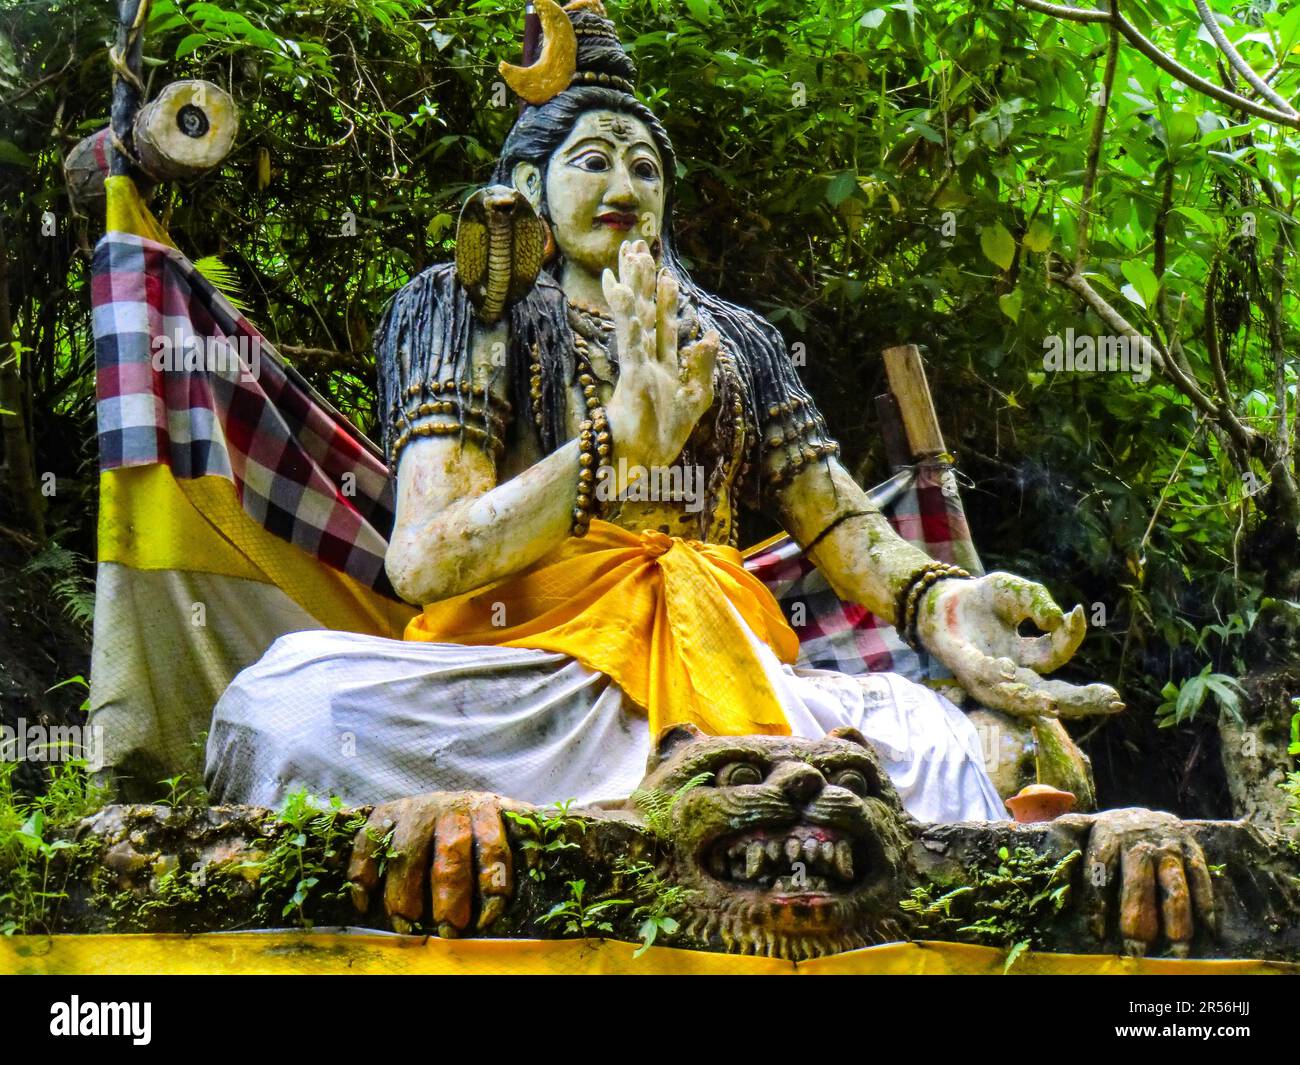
[
  {"x": 185, "y": 380},
  {"x": 923, "y": 505}
]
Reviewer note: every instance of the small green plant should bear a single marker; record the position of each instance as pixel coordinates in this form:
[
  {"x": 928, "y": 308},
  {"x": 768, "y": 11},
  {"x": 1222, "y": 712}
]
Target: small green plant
[
  {"x": 657, "y": 899},
  {"x": 549, "y": 831},
  {"x": 576, "y": 916},
  {"x": 72, "y": 589},
  {"x": 1291, "y": 784},
  {"x": 314, "y": 837},
  {"x": 1007, "y": 908},
  {"x": 657, "y": 807},
  {"x": 179, "y": 791},
  {"x": 78, "y": 679},
  {"x": 36, "y": 858},
  {"x": 1182, "y": 702}
]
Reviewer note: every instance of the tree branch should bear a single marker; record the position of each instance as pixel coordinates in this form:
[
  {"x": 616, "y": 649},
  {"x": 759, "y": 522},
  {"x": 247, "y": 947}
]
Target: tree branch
[
  {"x": 1166, "y": 62},
  {"x": 1095, "y": 140},
  {"x": 1234, "y": 57},
  {"x": 1244, "y": 437}
]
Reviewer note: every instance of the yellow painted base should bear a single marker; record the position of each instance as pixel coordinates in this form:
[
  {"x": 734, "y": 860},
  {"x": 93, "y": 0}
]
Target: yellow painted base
[{"x": 297, "y": 953}]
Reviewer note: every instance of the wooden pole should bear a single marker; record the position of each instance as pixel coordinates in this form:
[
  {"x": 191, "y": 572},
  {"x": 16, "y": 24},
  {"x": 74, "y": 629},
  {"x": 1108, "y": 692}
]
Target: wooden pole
[
  {"x": 128, "y": 87},
  {"x": 907, "y": 383}
]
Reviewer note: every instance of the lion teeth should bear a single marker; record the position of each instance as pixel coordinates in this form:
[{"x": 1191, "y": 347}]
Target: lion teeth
[
  {"x": 800, "y": 861},
  {"x": 844, "y": 859}
]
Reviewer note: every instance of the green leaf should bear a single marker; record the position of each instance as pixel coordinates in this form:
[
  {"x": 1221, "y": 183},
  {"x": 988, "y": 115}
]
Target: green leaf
[
  {"x": 190, "y": 44},
  {"x": 841, "y": 187},
  {"x": 998, "y": 245},
  {"x": 1009, "y": 304},
  {"x": 1039, "y": 237},
  {"x": 1199, "y": 217},
  {"x": 1143, "y": 280},
  {"x": 12, "y": 155}
]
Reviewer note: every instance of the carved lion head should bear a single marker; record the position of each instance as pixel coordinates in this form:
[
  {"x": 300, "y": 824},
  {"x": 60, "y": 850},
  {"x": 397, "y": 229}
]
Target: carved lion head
[{"x": 787, "y": 847}]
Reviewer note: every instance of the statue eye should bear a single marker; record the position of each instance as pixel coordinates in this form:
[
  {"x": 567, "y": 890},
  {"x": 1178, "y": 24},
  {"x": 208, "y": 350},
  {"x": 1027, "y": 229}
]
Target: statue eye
[
  {"x": 593, "y": 162},
  {"x": 739, "y": 773},
  {"x": 646, "y": 170},
  {"x": 852, "y": 780}
]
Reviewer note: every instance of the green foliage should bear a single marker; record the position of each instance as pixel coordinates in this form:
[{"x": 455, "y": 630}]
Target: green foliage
[
  {"x": 656, "y": 900},
  {"x": 35, "y": 864},
  {"x": 1183, "y": 701},
  {"x": 657, "y": 807},
  {"x": 71, "y": 588},
  {"x": 1010, "y": 907},
  {"x": 1291, "y": 784},
  {"x": 578, "y": 917},
  {"x": 549, "y": 831},
  {"x": 313, "y": 839},
  {"x": 223, "y": 278}
]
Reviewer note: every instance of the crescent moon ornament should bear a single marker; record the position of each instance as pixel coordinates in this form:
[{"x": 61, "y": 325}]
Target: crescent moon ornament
[{"x": 551, "y": 73}]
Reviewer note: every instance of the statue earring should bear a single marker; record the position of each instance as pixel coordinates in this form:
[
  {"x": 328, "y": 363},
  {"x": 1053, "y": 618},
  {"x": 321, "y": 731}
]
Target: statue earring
[{"x": 549, "y": 250}]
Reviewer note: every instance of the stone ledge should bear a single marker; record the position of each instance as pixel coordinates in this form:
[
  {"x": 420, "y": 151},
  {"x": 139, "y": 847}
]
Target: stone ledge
[{"x": 201, "y": 869}]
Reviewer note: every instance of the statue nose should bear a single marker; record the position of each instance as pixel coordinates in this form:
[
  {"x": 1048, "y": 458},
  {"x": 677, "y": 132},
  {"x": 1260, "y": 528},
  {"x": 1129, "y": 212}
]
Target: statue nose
[{"x": 801, "y": 782}]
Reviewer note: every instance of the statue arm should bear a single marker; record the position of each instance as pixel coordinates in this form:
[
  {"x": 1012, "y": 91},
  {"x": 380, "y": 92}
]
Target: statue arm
[
  {"x": 971, "y": 626},
  {"x": 457, "y": 529},
  {"x": 861, "y": 556}
]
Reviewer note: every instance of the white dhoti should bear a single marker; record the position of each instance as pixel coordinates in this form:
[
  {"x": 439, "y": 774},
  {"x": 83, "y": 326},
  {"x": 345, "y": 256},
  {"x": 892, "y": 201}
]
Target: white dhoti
[{"x": 371, "y": 720}]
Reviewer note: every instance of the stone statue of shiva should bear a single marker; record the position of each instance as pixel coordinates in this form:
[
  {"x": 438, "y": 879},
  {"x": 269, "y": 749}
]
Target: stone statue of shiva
[{"x": 568, "y": 614}]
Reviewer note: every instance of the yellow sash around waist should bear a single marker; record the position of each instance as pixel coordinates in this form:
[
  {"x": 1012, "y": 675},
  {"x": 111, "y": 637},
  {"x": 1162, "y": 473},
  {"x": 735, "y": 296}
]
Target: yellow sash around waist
[{"x": 649, "y": 611}]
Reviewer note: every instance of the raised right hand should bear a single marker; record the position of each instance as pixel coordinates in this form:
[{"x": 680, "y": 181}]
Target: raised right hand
[{"x": 661, "y": 393}]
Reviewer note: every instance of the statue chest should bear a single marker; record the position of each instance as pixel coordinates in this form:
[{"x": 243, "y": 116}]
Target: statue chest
[{"x": 693, "y": 497}]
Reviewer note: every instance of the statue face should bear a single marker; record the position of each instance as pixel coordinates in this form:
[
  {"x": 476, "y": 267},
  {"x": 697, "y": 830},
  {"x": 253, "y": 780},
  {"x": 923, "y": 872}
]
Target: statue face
[
  {"x": 788, "y": 847},
  {"x": 604, "y": 185}
]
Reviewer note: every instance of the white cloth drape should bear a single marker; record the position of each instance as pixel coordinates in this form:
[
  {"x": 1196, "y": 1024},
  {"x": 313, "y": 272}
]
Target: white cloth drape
[{"x": 371, "y": 719}]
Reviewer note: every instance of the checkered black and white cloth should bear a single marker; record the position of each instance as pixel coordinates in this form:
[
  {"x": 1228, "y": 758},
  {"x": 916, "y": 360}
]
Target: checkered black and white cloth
[{"x": 185, "y": 380}]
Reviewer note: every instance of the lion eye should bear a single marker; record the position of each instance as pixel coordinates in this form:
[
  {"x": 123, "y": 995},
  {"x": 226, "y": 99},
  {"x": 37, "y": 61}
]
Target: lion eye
[
  {"x": 851, "y": 780},
  {"x": 739, "y": 773}
]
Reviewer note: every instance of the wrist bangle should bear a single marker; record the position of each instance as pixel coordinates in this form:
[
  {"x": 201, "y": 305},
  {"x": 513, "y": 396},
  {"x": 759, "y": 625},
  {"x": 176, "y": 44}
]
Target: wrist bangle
[{"x": 908, "y": 603}]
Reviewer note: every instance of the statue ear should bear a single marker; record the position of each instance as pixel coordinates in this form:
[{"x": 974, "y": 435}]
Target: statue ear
[
  {"x": 670, "y": 739},
  {"x": 845, "y": 732},
  {"x": 528, "y": 180}
]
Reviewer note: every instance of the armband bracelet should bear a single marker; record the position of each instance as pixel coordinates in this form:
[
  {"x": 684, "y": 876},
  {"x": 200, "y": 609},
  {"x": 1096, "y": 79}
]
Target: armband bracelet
[
  {"x": 840, "y": 520},
  {"x": 908, "y": 603}
]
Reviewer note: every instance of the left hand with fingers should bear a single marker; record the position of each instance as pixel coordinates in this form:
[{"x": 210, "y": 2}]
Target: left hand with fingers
[
  {"x": 1150, "y": 865},
  {"x": 972, "y": 627},
  {"x": 448, "y": 849}
]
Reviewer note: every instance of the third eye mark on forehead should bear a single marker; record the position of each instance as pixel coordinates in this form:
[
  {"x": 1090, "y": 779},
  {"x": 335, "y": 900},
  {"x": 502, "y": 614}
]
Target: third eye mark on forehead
[{"x": 620, "y": 127}]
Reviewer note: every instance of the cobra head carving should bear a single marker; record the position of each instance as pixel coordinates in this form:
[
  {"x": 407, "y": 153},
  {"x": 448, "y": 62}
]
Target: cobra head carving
[{"x": 500, "y": 243}]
